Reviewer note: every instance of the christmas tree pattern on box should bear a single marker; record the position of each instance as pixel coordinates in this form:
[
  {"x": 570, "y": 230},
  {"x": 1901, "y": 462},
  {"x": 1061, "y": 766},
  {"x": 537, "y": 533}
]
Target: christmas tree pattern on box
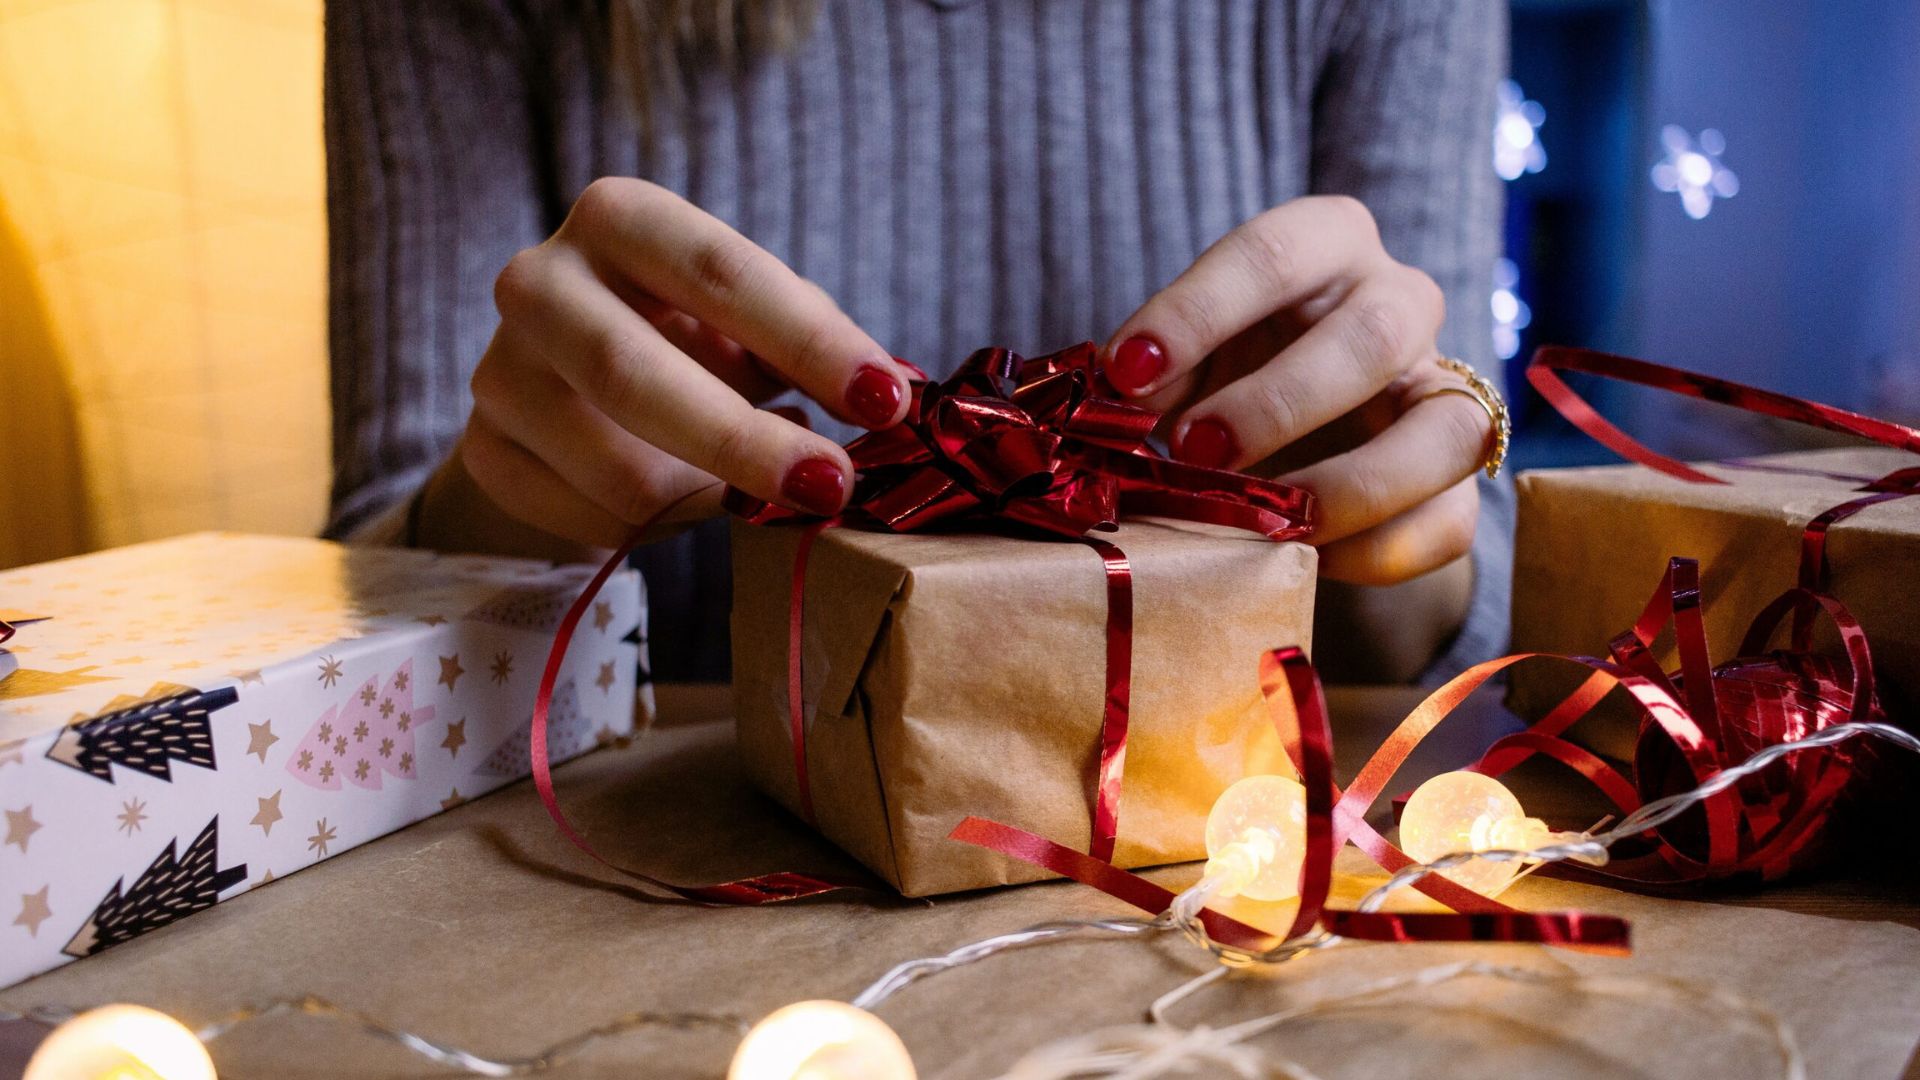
[
  {"x": 361, "y": 741},
  {"x": 172, "y": 724},
  {"x": 170, "y": 888}
]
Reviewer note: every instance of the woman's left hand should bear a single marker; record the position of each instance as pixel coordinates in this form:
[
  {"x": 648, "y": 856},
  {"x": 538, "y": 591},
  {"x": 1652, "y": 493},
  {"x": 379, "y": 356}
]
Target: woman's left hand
[{"x": 1299, "y": 321}]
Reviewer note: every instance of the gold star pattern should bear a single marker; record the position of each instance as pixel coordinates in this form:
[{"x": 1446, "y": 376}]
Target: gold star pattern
[
  {"x": 406, "y": 761},
  {"x": 33, "y": 911},
  {"x": 406, "y": 721},
  {"x": 367, "y": 694},
  {"x": 322, "y": 836},
  {"x": 329, "y": 671},
  {"x": 456, "y": 737},
  {"x": 305, "y": 761},
  {"x": 268, "y": 813},
  {"x": 400, "y": 679},
  {"x": 450, "y": 670},
  {"x": 453, "y": 799},
  {"x": 248, "y": 675},
  {"x": 265, "y": 879},
  {"x": 132, "y": 814},
  {"x": 360, "y": 769},
  {"x": 602, "y": 615},
  {"x": 605, "y": 679},
  {"x": 360, "y": 731},
  {"x": 21, "y": 826},
  {"x": 386, "y": 748},
  {"x": 326, "y": 772},
  {"x": 502, "y": 667},
  {"x": 259, "y": 738}
]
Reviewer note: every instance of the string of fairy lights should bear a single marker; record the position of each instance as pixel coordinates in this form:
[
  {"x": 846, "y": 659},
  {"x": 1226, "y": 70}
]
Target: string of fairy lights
[{"x": 1256, "y": 838}]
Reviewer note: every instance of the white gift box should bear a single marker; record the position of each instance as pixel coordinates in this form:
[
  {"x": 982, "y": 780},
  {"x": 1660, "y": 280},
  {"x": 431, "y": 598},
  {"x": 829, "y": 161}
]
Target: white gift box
[{"x": 195, "y": 717}]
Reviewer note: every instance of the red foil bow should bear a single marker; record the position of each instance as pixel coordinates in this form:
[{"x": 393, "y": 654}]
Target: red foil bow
[{"x": 1044, "y": 443}]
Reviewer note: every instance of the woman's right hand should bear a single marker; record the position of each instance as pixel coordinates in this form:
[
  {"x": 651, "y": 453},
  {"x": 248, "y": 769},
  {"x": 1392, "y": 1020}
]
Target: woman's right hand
[{"x": 633, "y": 346}]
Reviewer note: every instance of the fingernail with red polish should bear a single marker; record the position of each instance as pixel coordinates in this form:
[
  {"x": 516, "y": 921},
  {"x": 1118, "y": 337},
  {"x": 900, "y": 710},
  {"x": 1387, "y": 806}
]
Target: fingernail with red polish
[
  {"x": 1209, "y": 443},
  {"x": 815, "y": 485},
  {"x": 1135, "y": 363},
  {"x": 874, "y": 396}
]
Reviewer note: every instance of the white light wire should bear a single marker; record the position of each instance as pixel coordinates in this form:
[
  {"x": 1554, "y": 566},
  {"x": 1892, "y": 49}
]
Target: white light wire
[{"x": 1159, "y": 1048}]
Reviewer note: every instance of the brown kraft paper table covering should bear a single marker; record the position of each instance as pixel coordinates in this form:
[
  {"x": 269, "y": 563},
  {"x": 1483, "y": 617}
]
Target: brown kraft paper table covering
[
  {"x": 482, "y": 928},
  {"x": 957, "y": 674}
]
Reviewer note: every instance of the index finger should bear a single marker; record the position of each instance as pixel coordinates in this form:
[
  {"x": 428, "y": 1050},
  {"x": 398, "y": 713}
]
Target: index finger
[
  {"x": 688, "y": 258},
  {"x": 1281, "y": 259}
]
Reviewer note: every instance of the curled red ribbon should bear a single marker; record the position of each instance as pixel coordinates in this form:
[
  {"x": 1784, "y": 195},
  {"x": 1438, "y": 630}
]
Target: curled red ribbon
[
  {"x": 1778, "y": 821},
  {"x": 1299, "y": 714}
]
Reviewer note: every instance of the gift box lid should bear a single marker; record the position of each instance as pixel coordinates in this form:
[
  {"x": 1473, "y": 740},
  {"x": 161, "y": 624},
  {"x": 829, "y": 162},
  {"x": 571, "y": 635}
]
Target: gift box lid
[
  {"x": 217, "y": 609},
  {"x": 1791, "y": 488}
]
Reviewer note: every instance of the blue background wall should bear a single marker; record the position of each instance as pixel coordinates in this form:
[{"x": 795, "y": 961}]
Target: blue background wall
[{"x": 1808, "y": 281}]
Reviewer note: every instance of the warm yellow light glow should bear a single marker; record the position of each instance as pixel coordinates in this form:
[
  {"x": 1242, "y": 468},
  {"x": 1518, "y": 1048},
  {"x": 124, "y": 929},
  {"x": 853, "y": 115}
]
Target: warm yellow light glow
[
  {"x": 1467, "y": 811},
  {"x": 1256, "y": 838},
  {"x": 821, "y": 1040},
  {"x": 121, "y": 1042},
  {"x": 162, "y": 272}
]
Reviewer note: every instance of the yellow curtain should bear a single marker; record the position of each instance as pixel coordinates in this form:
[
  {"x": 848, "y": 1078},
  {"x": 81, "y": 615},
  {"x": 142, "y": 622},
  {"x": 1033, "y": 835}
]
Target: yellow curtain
[{"x": 162, "y": 271}]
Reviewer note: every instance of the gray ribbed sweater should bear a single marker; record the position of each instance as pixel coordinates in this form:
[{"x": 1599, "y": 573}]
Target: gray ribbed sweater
[{"x": 955, "y": 172}]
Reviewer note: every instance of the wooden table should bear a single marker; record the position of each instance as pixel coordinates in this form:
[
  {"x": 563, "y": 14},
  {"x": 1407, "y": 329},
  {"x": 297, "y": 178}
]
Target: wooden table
[{"x": 481, "y": 927}]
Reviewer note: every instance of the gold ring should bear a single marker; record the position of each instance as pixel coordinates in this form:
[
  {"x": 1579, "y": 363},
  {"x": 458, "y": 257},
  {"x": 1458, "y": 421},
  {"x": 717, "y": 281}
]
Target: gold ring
[{"x": 1488, "y": 398}]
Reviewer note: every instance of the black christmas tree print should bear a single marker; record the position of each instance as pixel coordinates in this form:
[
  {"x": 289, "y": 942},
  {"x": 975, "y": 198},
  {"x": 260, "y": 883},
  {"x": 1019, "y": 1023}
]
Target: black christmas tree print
[
  {"x": 170, "y": 888},
  {"x": 148, "y": 736}
]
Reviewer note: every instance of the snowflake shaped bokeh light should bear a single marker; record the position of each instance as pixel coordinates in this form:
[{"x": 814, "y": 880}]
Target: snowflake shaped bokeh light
[
  {"x": 1692, "y": 168},
  {"x": 1516, "y": 139},
  {"x": 1510, "y": 313}
]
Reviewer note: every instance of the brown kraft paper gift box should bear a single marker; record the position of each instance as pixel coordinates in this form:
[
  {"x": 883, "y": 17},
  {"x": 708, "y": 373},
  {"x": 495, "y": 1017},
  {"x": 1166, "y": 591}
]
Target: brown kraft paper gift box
[
  {"x": 1592, "y": 543},
  {"x": 956, "y": 674}
]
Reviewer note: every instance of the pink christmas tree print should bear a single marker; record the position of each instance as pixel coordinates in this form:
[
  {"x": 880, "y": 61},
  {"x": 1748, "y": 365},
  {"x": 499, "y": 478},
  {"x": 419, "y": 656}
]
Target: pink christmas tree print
[{"x": 364, "y": 739}]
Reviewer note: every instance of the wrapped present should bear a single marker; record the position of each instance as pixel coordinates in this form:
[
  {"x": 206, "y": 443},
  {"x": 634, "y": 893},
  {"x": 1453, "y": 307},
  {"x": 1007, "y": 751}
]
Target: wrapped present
[
  {"x": 1833, "y": 521},
  {"x": 952, "y": 675},
  {"x": 978, "y": 634},
  {"x": 198, "y": 716}
]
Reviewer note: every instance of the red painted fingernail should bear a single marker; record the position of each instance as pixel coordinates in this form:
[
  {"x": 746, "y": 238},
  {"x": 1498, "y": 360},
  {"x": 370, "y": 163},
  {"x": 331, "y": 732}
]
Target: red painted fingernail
[
  {"x": 874, "y": 396},
  {"x": 1135, "y": 363},
  {"x": 1209, "y": 443},
  {"x": 815, "y": 485}
]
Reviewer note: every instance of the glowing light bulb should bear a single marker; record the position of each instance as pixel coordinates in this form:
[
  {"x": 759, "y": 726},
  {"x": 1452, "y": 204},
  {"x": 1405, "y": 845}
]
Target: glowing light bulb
[
  {"x": 1468, "y": 811},
  {"x": 1256, "y": 838},
  {"x": 121, "y": 1042},
  {"x": 821, "y": 1040}
]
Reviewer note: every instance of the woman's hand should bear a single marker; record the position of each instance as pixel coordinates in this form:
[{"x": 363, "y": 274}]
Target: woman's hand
[
  {"x": 632, "y": 348},
  {"x": 1299, "y": 323}
]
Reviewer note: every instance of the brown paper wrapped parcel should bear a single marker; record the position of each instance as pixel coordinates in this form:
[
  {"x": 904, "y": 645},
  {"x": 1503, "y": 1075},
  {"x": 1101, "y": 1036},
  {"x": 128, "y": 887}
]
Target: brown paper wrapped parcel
[
  {"x": 956, "y": 674},
  {"x": 1592, "y": 543}
]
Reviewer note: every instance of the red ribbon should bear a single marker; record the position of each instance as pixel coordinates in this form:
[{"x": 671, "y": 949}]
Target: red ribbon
[
  {"x": 1776, "y": 822},
  {"x": 1041, "y": 443},
  {"x": 764, "y": 889},
  {"x": 1299, "y": 713}
]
